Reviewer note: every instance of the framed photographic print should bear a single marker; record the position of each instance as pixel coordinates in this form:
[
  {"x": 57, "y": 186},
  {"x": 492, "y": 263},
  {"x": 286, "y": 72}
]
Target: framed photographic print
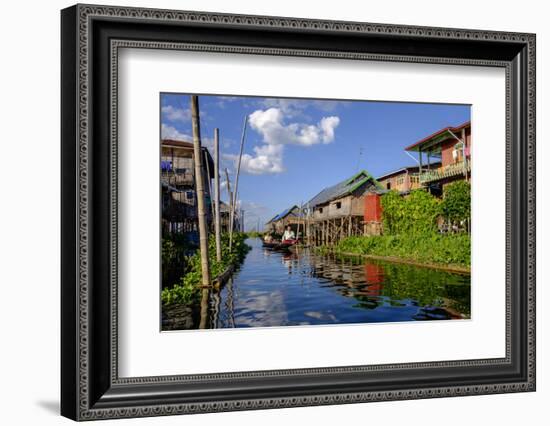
[{"x": 263, "y": 212}]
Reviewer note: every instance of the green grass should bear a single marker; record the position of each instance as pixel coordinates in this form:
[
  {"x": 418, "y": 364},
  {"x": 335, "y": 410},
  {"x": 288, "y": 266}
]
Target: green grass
[
  {"x": 254, "y": 234},
  {"x": 450, "y": 250},
  {"x": 187, "y": 290}
]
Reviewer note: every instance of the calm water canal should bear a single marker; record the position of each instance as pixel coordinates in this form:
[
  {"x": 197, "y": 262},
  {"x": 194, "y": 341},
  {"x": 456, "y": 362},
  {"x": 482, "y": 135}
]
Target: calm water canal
[{"x": 283, "y": 289}]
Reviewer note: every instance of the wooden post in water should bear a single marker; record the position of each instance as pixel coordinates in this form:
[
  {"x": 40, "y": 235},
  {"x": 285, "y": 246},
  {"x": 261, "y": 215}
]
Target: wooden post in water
[
  {"x": 199, "y": 183},
  {"x": 300, "y": 217},
  {"x": 217, "y": 219}
]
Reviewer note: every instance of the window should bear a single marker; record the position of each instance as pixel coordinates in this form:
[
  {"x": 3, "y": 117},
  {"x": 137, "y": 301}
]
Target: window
[
  {"x": 321, "y": 210},
  {"x": 400, "y": 180},
  {"x": 388, "y": 185},
  {"x": 339, "y": 205},
  {"x": 458, "y": 151}
]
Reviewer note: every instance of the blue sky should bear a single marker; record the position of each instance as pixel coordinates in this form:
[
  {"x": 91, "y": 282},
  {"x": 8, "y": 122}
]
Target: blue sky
[{"x": 296, "y": 147}]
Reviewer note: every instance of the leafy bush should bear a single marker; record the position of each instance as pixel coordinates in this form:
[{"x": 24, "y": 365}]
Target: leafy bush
[
  {"x": 456, "y": 205},
  {"x": 415, "y": 214},
  {"x": 175, "y": 253}
]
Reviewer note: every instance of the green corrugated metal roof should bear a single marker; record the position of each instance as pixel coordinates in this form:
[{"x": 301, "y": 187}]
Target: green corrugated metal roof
[{"x": 344, "y": 188}]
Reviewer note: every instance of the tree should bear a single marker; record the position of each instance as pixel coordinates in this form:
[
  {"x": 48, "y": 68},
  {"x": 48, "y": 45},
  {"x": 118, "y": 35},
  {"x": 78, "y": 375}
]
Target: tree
[{"x": 456, "y": 206}]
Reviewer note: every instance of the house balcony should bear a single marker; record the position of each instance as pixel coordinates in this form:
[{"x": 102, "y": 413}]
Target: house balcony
[
  {"x": 451, "y": 170},
  {"x": 177, "y": 179}
]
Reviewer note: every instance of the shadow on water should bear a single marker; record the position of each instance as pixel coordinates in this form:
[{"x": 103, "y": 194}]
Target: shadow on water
[{"x": 283, "y": 289}]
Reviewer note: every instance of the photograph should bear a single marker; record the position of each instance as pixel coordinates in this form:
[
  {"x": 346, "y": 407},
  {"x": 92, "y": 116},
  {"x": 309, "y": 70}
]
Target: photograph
[
  {"x": 279, "y": 212},
  {"x": 264, "y": 211}
]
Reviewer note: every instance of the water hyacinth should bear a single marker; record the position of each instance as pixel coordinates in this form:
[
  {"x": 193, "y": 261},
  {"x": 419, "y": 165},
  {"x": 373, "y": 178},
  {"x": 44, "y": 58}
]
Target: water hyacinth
[{"x": 187, "y": 290}]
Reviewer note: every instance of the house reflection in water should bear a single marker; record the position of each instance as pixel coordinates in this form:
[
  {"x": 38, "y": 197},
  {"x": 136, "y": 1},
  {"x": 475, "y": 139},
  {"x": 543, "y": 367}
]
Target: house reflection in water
[
  {"x": 275, "y": 288},
  {"x": 374, "y": 277}
]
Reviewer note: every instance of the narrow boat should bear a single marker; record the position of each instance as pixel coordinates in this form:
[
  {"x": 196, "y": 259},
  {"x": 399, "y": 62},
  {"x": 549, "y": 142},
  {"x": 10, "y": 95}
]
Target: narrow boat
[
  {"x": 285, "y": 245},
  {"x": 279, "y": 245},
  {"x": 270, "y": 245}
]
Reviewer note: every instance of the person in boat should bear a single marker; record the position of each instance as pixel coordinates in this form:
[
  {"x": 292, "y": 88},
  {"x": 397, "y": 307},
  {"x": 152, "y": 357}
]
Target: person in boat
[
  {"x": 268, "y": 238},
  {"x": 289, "y": 234}
]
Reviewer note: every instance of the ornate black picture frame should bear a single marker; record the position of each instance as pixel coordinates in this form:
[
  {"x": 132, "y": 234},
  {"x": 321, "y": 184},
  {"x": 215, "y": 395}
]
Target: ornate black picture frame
[{"x": 91, "y": 37}]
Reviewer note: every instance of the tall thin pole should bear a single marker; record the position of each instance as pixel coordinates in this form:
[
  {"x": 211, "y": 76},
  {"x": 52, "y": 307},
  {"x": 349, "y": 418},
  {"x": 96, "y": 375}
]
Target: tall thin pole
[
  {"x": 230, "y": 196},
  {"x": 243, "y": 134},
  {"x": 217, "y": 194},
  {"x": 199, "y": 183},
  {"x": 300, "y": 217}
]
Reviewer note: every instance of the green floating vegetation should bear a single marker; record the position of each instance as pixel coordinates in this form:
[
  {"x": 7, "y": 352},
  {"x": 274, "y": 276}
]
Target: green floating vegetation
[
  {"x": 176, "y": 251},
  {"x": 447, "y": 249},
  {"x": 254, "y": 234},
  {"x": 187, "y": 290}
]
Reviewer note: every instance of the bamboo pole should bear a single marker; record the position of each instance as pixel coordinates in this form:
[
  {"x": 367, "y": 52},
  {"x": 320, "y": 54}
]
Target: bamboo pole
[
  {"x": 217, "y": 224},
  {"x": 236, "y": 189},
  {"x": 208, "y": 181},
  {"x": 230, "y": 195},
  {"x": 300, "y": 217},
  {"x": 205, "y": 297},
  {"x": 464, "y": 165},
  {"x": 199, "y": 183}
]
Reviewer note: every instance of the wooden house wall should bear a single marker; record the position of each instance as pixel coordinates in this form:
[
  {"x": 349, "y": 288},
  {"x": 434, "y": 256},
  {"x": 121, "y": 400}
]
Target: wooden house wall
[
  {"x": 448, "y": 145},
  {"x": 349, "y": 205},
  {"x": 180, "y": 158},
  {"x": 357, "y": 206},
  {"x": 398, "y": 182},
  {"x": 402, "y": 181},
  {"x": 340, "y": 207}
]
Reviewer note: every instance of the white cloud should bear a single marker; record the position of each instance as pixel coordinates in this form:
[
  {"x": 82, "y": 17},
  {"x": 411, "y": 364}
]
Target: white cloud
[
  {"x": 328, "y": 124},
  {"x": 270, "y": 124},
  {"x": 275, "y": 133},
  {"x": 290, "y": 107},
  {"x": 170, "y": 132},
  {"x": 268, "y": 159},
  {"x": 173, "y": 114},
  {"x": 296, "y": 107}
]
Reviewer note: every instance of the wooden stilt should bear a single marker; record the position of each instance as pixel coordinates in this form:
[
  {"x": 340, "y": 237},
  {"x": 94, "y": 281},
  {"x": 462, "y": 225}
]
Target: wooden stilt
[
  {"x": 199, "y": 184},
  {"x": 217, "y": 220}
]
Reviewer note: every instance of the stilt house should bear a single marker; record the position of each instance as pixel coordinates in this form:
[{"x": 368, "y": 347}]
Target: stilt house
[{"x": 338, "y": 211}]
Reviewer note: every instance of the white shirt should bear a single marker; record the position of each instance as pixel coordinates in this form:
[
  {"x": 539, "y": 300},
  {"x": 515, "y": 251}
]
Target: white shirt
[{"x": 288, "y": 235}]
